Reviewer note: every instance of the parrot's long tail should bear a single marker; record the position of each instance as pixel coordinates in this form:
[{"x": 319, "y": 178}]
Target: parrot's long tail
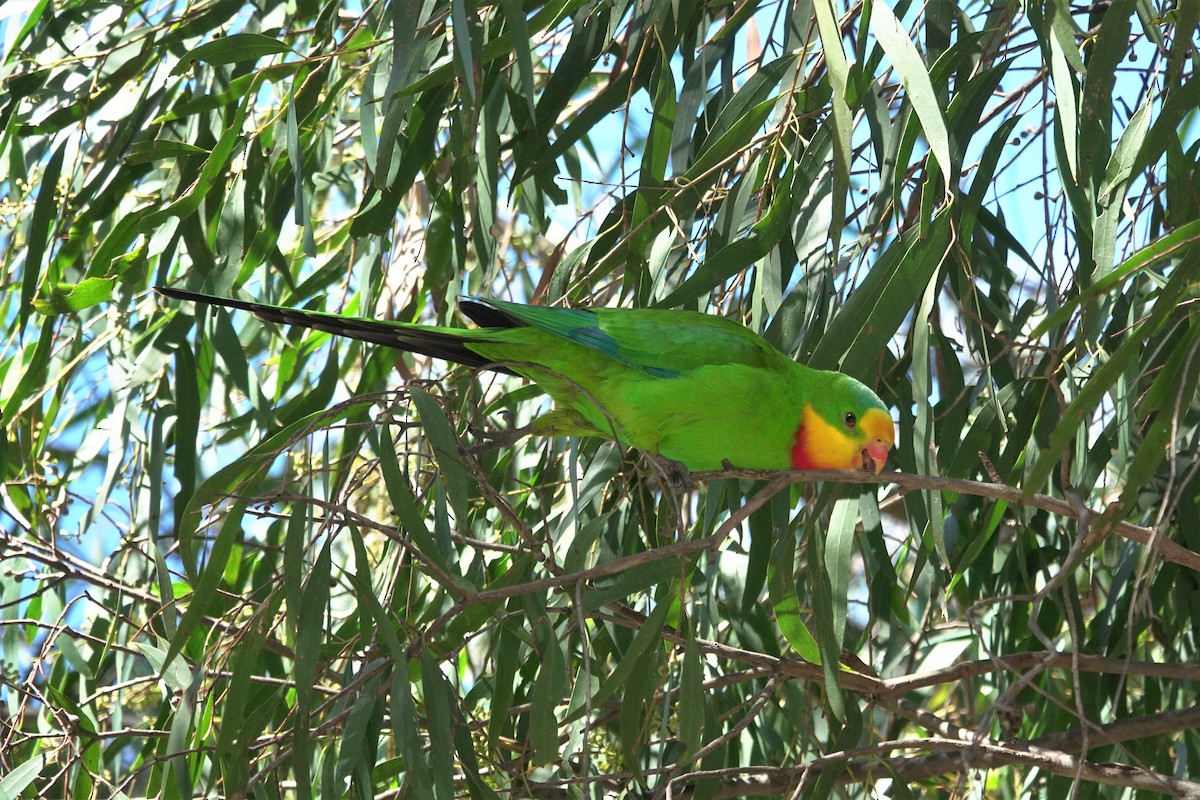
[{"x": 449, "y": 344}]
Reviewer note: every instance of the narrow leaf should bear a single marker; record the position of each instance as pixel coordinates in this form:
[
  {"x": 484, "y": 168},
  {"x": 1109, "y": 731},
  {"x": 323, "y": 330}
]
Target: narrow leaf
[
  {"x": 913, "y": 74},
  {"x": 839, "y": 552},
  {"x": 233, "y": 48}
]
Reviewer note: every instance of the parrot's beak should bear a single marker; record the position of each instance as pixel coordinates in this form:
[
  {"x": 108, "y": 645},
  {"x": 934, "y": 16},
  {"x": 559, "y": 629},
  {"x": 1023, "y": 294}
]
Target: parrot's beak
[
  {"x": 874, "y": 456},
  {"x": 877, "y": 425}
]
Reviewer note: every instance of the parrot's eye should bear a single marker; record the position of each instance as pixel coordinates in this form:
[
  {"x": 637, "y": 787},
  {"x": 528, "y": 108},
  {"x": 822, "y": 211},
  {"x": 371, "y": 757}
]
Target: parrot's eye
[{"x": 850, "y": 419}]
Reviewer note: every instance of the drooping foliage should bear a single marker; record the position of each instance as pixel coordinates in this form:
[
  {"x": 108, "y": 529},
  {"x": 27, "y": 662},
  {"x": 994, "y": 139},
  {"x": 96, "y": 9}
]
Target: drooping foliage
[{"x": 240, "y": 560}]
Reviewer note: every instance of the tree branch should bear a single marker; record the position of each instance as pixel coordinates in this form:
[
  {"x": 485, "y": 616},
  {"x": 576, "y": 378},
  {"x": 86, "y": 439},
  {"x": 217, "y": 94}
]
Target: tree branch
[{"x": 1167, "y": 549}]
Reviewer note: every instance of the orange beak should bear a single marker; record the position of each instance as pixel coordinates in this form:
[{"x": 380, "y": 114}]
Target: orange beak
[{"x": 881, "y": 435}]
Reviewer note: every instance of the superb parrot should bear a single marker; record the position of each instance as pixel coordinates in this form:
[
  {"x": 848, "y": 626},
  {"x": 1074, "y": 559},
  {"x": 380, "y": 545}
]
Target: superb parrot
[{"x": 697, "y": 389}]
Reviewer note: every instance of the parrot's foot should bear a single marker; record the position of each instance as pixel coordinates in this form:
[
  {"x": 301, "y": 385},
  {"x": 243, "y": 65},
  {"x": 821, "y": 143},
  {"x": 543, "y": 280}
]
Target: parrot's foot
[{"x": 672, "y": 474}]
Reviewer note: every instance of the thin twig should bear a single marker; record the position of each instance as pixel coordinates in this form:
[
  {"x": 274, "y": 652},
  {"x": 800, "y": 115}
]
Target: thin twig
[{"x": 1169, "y": 550}]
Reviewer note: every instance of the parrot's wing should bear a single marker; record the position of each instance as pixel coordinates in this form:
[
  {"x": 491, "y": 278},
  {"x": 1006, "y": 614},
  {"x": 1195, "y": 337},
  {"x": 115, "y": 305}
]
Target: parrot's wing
[{"x": 661, "y": 342}]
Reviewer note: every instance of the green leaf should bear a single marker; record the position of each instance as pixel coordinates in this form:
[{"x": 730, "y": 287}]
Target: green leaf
[
  {"x": 69, "y": 298},
  {"x": 786, "y": 603},
  {"x": 41, "y": 225},
  {"x": 514, "y": 19},
  {"x": 226, "y": 481},
  {"x": 464, "y": 16},
  {"x": 445, "y": 451},
  {"x": 211, "y": 171},
  {"x": 232, "y": 49},
  {"x": 913, "y": 74},
  {"x": 547, "y": 694},
  {"x": 1102, "y": 381},
  {"x": 237, "y": 734},
  {"x": 440, "y": 725},
  {"x": 1170, "y": 245},
  {"x": 925, "y": 443},
  {"x": 507, "y": 650},
  {"x": 1064, "y": 63},
  {"x": 173, "y": 671},
  {"x": 404, "y": 505},
  {"x": 182, "y": 723},
  {"x": 648, "y": 635},
  {"x": 637, "y": 708},
  {"x": 1165, "y": 405},
  {"x": 302, "y": 216},
  {"x": 406, "y": 726},
  {"x": 209, "y": 579},
  {"x": 839, "y": 551},
  {"x": 23, "y": 775},
  {"x": 146, "y": 152},
  {"x": 738, "y": 255},
  {"x": 840, "y": 121},
  {"x": 690, "y": 706},
  {"x": 823, "y": 620},
  {"x": 876, "y": 309},
  {"x": 629, "y": 582}
]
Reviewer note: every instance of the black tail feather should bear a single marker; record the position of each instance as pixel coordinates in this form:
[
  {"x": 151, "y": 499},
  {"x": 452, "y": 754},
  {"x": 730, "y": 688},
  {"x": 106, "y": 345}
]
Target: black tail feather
[
  {"x": 486, "y": 315},
  {"x": 410, "y": 338}
]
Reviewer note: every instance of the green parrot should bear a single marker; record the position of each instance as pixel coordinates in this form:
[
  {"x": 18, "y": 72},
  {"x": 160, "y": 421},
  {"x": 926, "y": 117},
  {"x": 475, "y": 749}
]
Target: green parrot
[{"x": 693, "y": 388}]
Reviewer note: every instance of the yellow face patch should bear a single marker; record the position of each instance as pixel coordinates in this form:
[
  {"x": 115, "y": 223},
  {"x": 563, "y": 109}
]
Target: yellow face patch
[{"x": 820, "y": 445}]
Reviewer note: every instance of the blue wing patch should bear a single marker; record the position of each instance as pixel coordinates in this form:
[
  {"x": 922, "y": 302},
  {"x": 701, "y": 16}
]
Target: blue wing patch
[
  {"x": 595, "y": 338},
  {"x": 577, "y": 325}
]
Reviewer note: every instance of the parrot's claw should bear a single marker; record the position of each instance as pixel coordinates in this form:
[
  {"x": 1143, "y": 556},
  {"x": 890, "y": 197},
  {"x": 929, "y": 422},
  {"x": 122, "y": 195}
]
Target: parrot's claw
[{"x": 672, "y": 474}]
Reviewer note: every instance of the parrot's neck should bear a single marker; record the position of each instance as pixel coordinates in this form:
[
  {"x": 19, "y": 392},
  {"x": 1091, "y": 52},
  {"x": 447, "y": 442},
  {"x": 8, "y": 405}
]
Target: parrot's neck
[{"x": 819, "y": 445}]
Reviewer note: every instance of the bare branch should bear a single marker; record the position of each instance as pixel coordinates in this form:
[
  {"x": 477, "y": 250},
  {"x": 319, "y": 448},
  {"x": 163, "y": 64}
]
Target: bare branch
[{"x": 1169, "y": 550}]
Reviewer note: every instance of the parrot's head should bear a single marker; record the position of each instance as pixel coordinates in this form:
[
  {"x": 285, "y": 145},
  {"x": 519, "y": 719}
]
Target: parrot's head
[{"x": 846, "y": 426}]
